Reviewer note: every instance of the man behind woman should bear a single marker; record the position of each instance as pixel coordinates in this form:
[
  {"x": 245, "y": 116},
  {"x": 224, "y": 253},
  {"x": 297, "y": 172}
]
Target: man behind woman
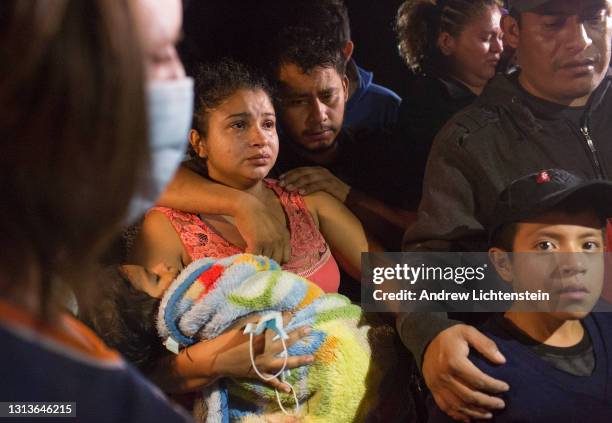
[{"x": 522, "y": 123}]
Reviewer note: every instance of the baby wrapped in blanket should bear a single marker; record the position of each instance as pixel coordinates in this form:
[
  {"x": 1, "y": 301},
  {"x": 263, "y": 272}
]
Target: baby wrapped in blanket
[{"x": 352, "y": 357}]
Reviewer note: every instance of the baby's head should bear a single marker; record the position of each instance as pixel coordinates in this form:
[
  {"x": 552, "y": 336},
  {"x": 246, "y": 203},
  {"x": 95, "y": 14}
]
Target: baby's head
[
  {"x": 548, "y": 234},
  {"x": 125, "y": 312}
]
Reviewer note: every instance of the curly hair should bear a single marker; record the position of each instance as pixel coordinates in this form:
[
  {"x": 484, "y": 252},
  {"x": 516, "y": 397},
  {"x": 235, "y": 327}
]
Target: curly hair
[
  {"x": 327, "y": 18},
  {"x": 307, "y": 48},
  {"x": 420, "y": 22},
  {"x": 218, "y": 81}
]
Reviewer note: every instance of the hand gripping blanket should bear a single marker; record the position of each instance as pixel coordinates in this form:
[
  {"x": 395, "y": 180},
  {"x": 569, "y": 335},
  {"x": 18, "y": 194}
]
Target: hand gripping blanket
[{"x": 352, "y": 356}]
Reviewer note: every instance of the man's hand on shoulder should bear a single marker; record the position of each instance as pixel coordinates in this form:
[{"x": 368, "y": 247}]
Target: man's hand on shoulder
[
  {"x": 307, "y": 180},
  {"x": 459, "y": 388}
]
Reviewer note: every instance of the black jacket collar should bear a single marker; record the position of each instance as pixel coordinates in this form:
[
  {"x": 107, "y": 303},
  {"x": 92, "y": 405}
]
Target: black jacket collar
[
  {"x": 504, "y": 92},
  {"x": 456, "y": 89}
]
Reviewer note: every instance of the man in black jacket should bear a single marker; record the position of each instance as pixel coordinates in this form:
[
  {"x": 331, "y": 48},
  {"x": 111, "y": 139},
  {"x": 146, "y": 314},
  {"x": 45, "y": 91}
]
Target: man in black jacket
[{"x": 555, "y": 112}]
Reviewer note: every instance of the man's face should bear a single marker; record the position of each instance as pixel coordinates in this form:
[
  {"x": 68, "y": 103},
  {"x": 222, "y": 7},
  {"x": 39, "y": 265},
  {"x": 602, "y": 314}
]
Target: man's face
[
  {"x": 311, "y": 105},
  {"x": 159, "y": 24},
  {"x": 563, "y": 49},
  {"x": 561, "y": 254}
]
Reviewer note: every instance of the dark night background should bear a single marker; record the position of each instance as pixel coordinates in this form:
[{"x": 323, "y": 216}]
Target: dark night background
[
  {"x": 216, "y": 28},
  {"x": 375, "y": 46}
]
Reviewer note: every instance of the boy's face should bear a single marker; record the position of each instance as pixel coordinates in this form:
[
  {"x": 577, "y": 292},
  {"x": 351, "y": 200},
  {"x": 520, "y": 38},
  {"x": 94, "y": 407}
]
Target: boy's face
[{"x": 560, "y": 254}]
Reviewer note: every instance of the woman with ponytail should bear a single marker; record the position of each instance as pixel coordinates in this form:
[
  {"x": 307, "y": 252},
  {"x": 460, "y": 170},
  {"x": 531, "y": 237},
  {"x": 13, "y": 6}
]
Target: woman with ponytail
[{"x": 453, "y": 48}]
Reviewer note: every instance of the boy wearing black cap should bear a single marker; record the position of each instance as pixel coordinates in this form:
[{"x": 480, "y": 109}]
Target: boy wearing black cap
[
  {"x": 558, "y": 354},
  {"x": 553, "y": 112}
]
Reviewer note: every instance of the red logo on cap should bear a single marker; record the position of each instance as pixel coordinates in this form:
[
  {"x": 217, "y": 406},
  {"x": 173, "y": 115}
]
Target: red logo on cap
[{"x": 543, "y": 177}]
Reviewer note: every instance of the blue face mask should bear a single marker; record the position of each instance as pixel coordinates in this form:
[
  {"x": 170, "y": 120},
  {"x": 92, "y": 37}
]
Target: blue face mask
[{"x": 170, "y": 108}]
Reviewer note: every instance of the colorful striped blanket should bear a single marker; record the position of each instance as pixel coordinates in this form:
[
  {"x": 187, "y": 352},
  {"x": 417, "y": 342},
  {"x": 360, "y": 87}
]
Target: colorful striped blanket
[{"x": 352, "y": 356}]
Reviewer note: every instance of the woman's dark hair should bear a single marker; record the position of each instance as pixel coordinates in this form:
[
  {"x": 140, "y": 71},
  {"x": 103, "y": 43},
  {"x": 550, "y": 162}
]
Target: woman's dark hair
[
  {"x": 420, "y": 22},
  {"x": 124, "y": 318},
  {"x": 73, "y": 137},
  {"x": 216, "y": 82}
]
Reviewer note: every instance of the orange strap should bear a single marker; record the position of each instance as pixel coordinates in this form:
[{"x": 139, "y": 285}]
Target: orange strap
[{"x": 67, "y": 331}]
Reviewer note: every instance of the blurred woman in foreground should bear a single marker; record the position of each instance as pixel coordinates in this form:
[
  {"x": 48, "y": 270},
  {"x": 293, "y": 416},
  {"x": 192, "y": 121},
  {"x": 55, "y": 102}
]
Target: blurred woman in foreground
[{"x": 73, "y": 134}]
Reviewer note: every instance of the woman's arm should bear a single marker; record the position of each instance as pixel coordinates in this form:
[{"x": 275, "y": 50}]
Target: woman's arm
[
  {"x": 341, "y": 229},
  {"x": 263, "y": 234},
  {"x": 386, "y": 222}
]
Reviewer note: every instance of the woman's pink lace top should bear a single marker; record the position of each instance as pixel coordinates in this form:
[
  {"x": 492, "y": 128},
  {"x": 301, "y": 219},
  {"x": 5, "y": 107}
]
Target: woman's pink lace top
[{"x": 310, "y": 254}]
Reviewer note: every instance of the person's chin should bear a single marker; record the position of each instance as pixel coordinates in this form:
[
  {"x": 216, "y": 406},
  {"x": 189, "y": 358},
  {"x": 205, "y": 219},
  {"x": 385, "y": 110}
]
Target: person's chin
[
  {"x": 318, "y": 143},
  {"x": 490, "y": 69},
  {"x": 579, "y": 88},
  {"x": 571, "y": 315},
  {"x": 575, "y": 306},
  {"x": 581, "y": 81},
  {"x": 259, "y": 173},
  {"x": 254, "y": 174}
]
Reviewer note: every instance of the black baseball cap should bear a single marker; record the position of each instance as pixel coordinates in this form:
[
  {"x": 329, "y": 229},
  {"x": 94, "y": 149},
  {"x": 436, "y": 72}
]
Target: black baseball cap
[
  {"x": 540, "y": 192},
  {"x": 519, "y": 6}
]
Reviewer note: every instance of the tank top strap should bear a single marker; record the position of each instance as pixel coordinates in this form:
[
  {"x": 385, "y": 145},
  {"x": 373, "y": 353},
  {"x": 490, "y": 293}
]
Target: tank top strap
[
  {"x": 306, "y": 240},
  {"x": 198, "y": 239}
]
